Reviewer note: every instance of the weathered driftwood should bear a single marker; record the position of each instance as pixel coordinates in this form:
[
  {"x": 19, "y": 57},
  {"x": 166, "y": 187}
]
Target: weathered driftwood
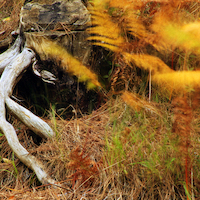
[
  {"x": 8, "y": 80},
  {"x": 10, "y": 54},
  {"x": 43, "y": 18}
]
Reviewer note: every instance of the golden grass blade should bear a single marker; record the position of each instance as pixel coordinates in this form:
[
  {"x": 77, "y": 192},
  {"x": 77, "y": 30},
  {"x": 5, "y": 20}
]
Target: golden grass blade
[
  {"x": 130, "y": 16},
  {"x": 147, "y": 62},
  {"x": 105, "y": 30},
  {"x": 178, "y": 81},
  {"x": 49, "y": 49},
  {"x": 170, "y": 34}
]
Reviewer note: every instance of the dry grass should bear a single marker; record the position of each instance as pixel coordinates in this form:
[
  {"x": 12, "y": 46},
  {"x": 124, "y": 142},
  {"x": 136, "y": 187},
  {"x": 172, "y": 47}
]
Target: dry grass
[
  {"x": 86, "y": 135},
  {"x": 114, "y": 153},
  {"x": 9, "y": 17}
]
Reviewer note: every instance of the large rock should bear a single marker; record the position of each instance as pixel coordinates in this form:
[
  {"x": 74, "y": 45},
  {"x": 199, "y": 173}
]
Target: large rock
[{"x": 64, "y": 21}]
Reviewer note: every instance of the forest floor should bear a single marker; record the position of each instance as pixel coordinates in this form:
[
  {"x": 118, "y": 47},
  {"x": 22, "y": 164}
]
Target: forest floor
[
  {"x": 113, "y": 153},
  {"x": 150, "y": 151}
]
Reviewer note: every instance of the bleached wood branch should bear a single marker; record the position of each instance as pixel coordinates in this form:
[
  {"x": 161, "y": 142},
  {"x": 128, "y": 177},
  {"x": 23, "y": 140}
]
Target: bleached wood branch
[
  {"x": 8, "y": 80},
  {"x": 9, "y": 55},
  {"x": 33, "y": 122}
]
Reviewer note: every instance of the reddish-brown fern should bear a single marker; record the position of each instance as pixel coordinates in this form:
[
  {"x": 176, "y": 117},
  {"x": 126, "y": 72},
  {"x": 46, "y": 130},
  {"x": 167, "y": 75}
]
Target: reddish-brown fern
[{"x": 85, "y": 168}]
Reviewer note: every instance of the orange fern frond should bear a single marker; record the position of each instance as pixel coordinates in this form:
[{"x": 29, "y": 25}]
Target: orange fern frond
[
  {"x": 105, "y": 32},
  {"x": 135, "y": 26},
  {"x": 49, "y": 49},
  {"x": 147, "y": 62},
  {"x": 126, "y": 4},
  {"x": 160, "y": 21},
  {"x": 100, "y": 4},
  {"x": 108, "y": 33},
  {"x": 166, "y": 78},
  {"x": 130, "y": 16},
  {"x": 86, "y": 169},
  {"x": 177, "y": 34},
  {"x": 178, "y": 81},
  {"x": 164, "y": 33},
  {"x": 186, "y": 37}
]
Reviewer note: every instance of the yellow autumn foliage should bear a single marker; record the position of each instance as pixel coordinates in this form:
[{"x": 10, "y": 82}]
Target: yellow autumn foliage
[
  {"x": 49, "y": 49},
  {"x": 147, "y": 62},
  {"x": 125, "y": 4},
  {"x": 186, "y": 37},
  {"x": 164, "y": 33},
  {"x": 105, "y": 32},
  {"x": 99, "y": 4},
  {"x": 178, "y": 81}
]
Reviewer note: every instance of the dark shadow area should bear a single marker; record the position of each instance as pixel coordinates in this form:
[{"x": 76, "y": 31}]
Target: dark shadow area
[{"x": 64, "y": 96}]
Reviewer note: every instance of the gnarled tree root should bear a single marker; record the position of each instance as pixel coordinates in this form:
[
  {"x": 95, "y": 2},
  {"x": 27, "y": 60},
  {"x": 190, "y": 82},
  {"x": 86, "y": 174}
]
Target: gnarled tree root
[
  {"x": 13, "y": 63},
  {"x": 8, "y": 56}
]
